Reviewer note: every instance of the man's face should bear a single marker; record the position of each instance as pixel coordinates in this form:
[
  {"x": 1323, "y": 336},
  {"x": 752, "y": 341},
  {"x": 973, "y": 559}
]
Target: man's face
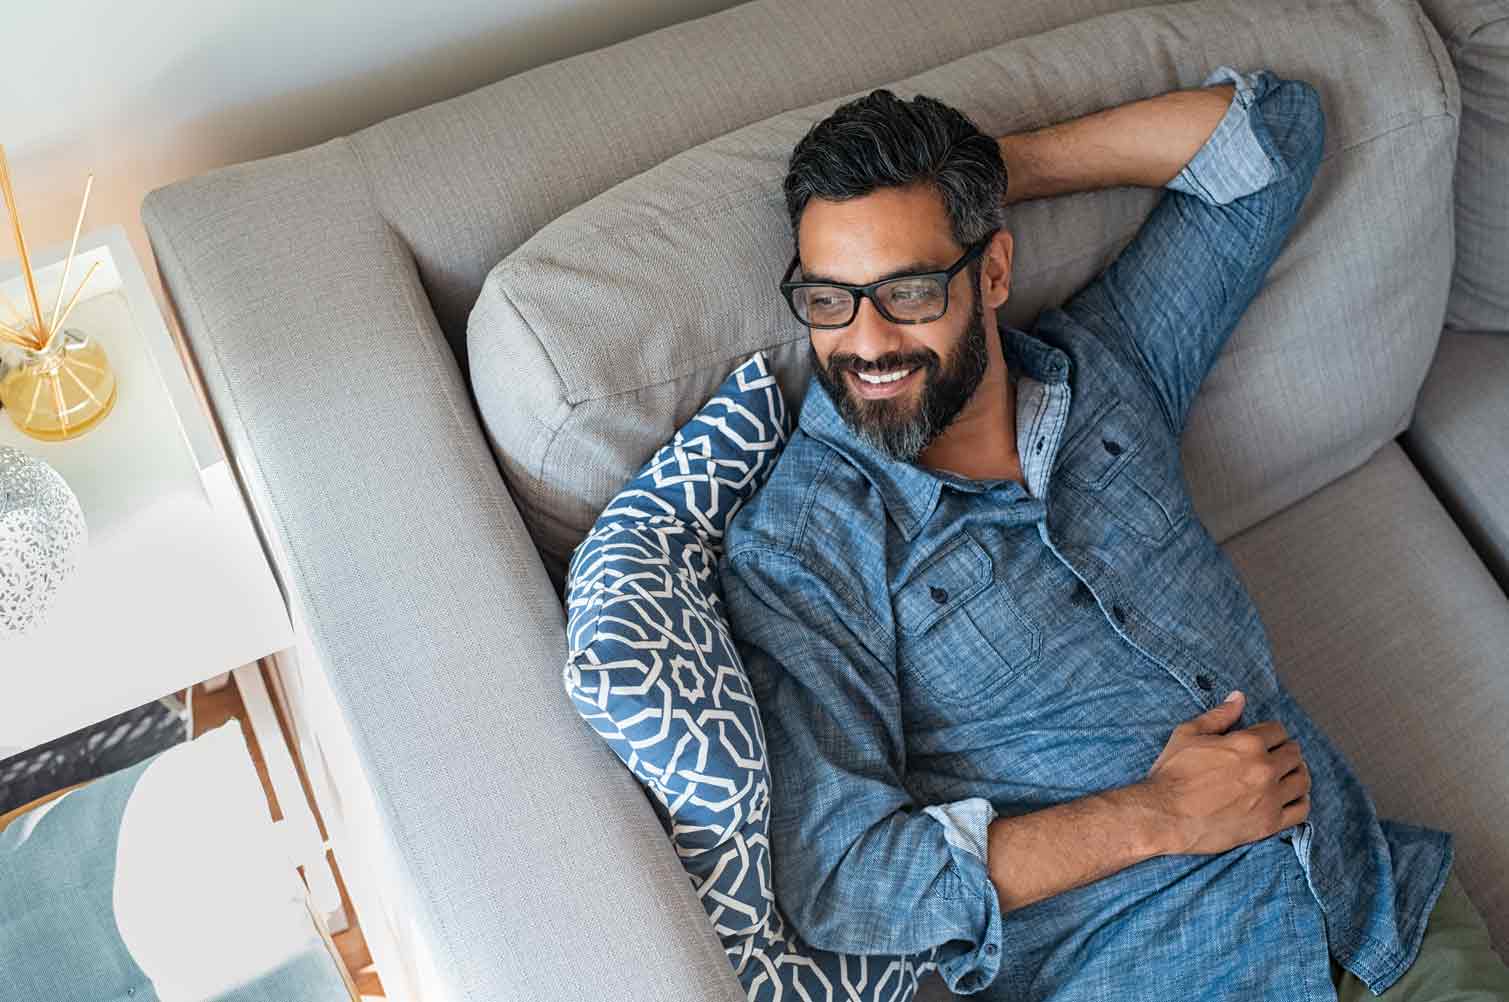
[{"x": 940, "y": 364}]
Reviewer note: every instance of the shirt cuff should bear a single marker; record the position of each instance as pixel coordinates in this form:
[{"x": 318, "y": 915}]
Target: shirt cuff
[
  {"x": 969, "y": 966},
  {"x": 1233, "y": 162},
  {"x": 966, "y": 823}
]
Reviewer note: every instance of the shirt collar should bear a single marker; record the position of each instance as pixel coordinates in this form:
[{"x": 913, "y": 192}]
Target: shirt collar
[{"x": 910, "y": 492}]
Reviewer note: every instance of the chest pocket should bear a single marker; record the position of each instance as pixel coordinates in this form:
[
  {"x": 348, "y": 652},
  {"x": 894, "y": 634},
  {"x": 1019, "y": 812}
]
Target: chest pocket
[
  {"x": 1130, "y": 470},
  {"x": 960, "y": 636}
]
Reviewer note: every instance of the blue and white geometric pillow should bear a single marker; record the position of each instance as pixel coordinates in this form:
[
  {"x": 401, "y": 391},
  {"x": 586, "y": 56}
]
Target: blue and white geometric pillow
[{"x": 653, "y": 668}]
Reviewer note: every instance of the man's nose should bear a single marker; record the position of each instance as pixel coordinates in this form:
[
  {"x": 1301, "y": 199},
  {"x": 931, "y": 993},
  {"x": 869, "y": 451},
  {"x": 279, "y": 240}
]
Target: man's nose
[{"x": 870, "y": 335}]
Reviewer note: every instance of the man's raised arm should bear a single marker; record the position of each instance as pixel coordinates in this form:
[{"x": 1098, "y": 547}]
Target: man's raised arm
[
  {"x": 1237, "y": 160},
  {"x": 1144, "y": 143}
]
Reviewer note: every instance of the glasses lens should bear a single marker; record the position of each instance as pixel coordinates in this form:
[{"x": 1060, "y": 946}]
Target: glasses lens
[
  {"x": 823, "y": 305},
  {"x": 914, "y": 300}
]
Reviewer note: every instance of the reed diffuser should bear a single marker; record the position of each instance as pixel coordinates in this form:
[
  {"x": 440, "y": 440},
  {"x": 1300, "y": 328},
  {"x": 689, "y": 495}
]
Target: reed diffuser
[{"x": 55, "y": 381}]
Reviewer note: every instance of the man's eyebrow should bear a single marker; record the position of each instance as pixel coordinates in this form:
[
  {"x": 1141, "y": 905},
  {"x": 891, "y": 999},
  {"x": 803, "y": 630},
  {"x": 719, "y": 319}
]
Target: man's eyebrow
[{"x": 913, "y": 268}]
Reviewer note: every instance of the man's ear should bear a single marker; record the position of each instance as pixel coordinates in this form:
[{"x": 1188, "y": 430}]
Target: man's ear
[{"x": 995, "y": 269}]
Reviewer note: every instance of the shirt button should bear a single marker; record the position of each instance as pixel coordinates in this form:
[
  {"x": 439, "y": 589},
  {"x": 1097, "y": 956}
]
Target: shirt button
[
  {"x": 1120, "y": 614},
  {"x": 991, "y": 950},
  {"x": 939, "y": 595},
  {"x": 1204, "y": 682}
]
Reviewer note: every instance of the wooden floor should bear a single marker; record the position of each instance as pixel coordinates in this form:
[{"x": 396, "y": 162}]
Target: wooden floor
[{"x": 211, "y": 709}]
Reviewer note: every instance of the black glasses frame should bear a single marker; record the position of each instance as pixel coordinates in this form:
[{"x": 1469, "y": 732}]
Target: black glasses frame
[{"x": 857, "y": 292}]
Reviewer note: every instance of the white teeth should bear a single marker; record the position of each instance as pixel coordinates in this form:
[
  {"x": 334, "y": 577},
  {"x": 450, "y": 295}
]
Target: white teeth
[{"x": 884, "y": 379}]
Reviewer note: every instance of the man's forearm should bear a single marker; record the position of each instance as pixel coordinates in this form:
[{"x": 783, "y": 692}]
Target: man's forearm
[
  {"x": 1035, "y": 856},
  {"x": 1142, "y": 143}
]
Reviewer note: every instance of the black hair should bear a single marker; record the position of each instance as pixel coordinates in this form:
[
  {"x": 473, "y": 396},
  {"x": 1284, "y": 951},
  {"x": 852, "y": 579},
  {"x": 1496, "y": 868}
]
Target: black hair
[{"x": 882, "y": 141}]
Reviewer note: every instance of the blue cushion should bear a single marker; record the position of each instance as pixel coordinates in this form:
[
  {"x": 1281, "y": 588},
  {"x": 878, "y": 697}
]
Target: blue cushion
[
  {"x": 58, "y": 938},
  {"x": 653, "y": 668}
]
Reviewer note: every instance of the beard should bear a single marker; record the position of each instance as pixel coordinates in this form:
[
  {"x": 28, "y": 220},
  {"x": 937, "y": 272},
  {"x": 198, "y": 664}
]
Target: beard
[{"x": 899, "y": 427}]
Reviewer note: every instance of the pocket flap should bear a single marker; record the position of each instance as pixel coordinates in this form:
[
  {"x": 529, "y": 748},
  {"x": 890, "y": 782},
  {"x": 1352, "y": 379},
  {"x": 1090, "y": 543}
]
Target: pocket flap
[
  {"x": 960, "y": 571},
  {"x": 1106, "y": 445}
]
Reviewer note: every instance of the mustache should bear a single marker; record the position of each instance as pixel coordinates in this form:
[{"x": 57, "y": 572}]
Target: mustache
[{"x": 840, "y": 363}]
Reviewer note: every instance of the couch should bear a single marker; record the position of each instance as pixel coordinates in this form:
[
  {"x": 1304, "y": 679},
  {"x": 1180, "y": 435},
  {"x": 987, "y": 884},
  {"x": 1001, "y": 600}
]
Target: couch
[{"x": 494, "y": 848}]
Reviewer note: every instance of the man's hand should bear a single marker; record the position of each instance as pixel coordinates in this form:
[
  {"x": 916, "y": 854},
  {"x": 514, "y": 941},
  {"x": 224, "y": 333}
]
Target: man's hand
[
  {"x": 1217, "y": 790},
  {"x": 1208, "y": 791}
]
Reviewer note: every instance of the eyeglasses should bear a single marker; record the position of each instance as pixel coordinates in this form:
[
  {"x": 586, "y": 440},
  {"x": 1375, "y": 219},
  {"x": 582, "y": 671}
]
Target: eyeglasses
[{"x": 905, "y": 299}]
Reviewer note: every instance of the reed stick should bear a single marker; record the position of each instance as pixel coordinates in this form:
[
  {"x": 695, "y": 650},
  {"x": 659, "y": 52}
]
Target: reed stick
[
  {"x": 72, "y": 246},
  {"x": 23, "y": 335},
  {"x": 58, "y": 402},
  {"x": 16, "y": 338},
  {"x": 73, "y": 300},
  {"x": 15, "y": 222}
]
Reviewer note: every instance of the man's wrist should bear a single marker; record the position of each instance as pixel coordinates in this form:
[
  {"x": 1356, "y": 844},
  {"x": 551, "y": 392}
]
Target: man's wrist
[
  {"x": 1151, "y": 829},
  {"x": 1042, "y": 853}
]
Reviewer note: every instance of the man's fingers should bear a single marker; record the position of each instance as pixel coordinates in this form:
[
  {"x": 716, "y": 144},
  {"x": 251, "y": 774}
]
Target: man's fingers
[
  {"x": 1294, "y": 786},
  {"x": 1286, "y": 757},
  {"x": 1296, "y": 812},
  {"x": 1218, "y": 718},
  {"x": 1271, "y": 731}
]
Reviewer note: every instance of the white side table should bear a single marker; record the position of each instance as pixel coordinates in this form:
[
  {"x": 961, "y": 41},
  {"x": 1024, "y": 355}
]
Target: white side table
[{"x": 173, "y": 587}]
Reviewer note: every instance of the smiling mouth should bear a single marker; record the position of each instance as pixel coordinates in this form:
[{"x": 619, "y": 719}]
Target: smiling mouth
[{"x": 874, "y": 386}]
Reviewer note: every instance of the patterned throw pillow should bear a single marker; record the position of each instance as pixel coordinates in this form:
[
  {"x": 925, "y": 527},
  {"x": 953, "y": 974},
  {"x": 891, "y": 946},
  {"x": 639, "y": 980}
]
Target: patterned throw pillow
[{"x": 653, "y": 668}]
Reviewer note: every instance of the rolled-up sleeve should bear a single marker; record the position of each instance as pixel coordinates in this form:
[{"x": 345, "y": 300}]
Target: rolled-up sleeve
[
  {"x": 858, "y": 866},
  {"x": 1173, "y": 296},
  {"x": 1232, "y": 162}
]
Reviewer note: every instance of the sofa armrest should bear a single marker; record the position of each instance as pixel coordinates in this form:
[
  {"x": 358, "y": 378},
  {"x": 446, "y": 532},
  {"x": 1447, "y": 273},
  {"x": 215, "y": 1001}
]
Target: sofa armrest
[
  {"x": 1459, "y": 439},
  {"x": 531, "y": 865}
]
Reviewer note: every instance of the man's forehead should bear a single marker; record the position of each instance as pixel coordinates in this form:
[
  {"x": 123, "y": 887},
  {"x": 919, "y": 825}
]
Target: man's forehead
[{"x": 887, "y": 232}]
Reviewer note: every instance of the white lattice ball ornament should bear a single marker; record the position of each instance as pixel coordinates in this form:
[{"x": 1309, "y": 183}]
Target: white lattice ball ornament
[{"x": 42, "y": 532}]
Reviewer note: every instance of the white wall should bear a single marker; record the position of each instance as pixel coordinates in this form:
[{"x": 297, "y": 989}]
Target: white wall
[{"x": 144, "y": 92}]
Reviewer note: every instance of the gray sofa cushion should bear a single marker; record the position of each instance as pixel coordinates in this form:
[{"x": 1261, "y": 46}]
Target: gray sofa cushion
[
  {"x": 594, "y": 340},
  {"x": 1460, "y": 439},
  {"x": 465, "y": 181},
  {"x": 1476, "y": 33},
  {"x": 1391, "y": 634}
]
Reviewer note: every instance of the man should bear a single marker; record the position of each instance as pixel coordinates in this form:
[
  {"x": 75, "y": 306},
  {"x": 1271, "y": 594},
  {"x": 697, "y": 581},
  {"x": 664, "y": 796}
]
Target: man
[{"x": 991, "y": 642}]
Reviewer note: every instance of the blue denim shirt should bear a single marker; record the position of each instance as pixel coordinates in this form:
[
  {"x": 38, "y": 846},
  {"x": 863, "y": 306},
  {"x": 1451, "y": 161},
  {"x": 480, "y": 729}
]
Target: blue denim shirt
[{"x": 930, "y": 652}]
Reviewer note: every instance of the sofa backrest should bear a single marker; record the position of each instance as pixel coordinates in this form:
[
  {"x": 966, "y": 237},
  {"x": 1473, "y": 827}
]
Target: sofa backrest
[
  {"x": 465, "y": 181},
  {"x": 1476, "y": 33},
  {"x": 604, "y": 331}
]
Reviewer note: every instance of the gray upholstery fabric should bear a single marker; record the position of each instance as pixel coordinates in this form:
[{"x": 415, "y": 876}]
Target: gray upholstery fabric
[
  {"x": 1476, "y": 33},
  {"x": 1392, "y": 635},
  {"x": 1460, "y": 439},
  {"x": 606, "y": 329},
  {"x": 512, "y": 828},
  {"x": 465, "y": 181}
]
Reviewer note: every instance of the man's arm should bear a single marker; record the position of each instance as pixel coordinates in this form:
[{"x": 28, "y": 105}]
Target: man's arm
[
  {"x": 1144, "y": 143},
  {"x": 1209, "y": 791},
  {"x": 859, "y": 867},
  {"x": 1173, "y": 296}
]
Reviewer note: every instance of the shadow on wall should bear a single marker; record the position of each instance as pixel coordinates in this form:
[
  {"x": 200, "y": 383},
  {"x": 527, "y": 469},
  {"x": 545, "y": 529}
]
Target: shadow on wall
[{"x": 163, "y": 127}]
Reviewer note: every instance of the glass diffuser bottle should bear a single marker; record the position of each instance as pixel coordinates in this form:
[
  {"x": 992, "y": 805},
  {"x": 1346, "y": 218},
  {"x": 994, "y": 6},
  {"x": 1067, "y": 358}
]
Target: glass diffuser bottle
[
  {"x": 55, "y": 382},
  {"x": 60, "y": 390}
]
